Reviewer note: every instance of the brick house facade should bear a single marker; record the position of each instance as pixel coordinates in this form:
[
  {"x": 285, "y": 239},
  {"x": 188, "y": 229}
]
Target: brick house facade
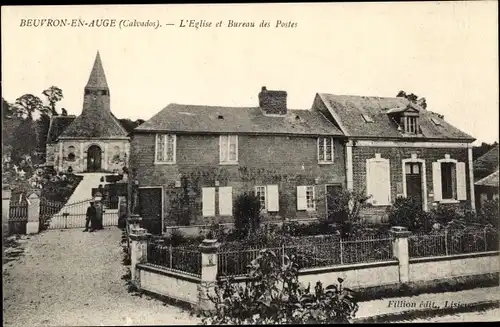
[
  {"x": 215, "y": 153},
  {"x": 397, "y": 148}
]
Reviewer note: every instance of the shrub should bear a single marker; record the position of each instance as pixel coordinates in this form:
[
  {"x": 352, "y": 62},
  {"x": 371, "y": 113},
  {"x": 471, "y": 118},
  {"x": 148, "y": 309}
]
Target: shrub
[
  {"x": 273, "y": 295},
  {"x": 444, "y": 214},
  {"x": 407, "y": 212},
  {"x": 489, "y": 212},
  {"x": 247, "y": 213}
]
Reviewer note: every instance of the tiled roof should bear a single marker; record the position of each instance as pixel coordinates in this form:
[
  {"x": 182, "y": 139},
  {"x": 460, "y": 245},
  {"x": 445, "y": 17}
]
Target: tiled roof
[
  {"x": 214, "y": 119},
  {"x": 490, "y": 180},
  {"x": 490, "y": 159},
  {"x": 348, "y": 109},
  {"x": 94, "y": 122},
  {"x": 57, "y": 126}
]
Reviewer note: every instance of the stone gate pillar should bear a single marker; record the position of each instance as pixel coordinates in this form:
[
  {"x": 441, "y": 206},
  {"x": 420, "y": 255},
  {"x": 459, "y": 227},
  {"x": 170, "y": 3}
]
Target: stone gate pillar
[
  {"x": 400, "y": 251},
  {"x": 33, "y": 225},
  {"x": 209, "y": 263}
]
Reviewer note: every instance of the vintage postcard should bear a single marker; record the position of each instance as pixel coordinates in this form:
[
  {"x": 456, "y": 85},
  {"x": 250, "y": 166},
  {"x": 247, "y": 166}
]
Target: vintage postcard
[{"x": 272, "y": 163}]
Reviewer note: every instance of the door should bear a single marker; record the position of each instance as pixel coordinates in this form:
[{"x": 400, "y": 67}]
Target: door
[
  {"x": 94, "y": 158},
  {"x": 150, "y": 202},
  {"x": 413, "y": 171},
  {"x": 334, "y": 210}
]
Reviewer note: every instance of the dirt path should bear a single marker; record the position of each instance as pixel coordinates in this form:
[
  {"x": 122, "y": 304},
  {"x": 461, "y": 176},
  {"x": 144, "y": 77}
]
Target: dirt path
[{"x": 71, "y": 278}]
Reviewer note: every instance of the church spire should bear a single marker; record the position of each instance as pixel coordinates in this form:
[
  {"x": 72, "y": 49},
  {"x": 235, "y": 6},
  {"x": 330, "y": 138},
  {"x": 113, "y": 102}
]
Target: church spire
[{"x": 97, "y": 79}]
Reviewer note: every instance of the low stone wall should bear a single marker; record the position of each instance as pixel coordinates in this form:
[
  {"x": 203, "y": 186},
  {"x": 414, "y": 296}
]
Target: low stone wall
[
  {"x": 426, "y": 269},
  {"x": 174, "y": 285}
]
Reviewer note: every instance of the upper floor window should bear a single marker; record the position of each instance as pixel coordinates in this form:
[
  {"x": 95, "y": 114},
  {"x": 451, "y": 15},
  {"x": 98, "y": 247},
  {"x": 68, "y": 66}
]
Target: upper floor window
[
  {"x": 228, "y": 149},
  {"x": 325, "y": 150},
  {"x": 411, "y": 126},
  {"x": 165, "y": 148}
]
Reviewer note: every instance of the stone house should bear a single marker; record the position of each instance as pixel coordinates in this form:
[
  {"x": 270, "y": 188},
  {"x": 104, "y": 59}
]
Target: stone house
[
  {"x": 95, "y": 141},
  {"x": 191, "y": 161},
  {"x": 396, "y": 148}
]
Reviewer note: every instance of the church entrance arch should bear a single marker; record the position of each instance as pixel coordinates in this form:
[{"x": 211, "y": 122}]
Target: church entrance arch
[{"x": 94, "y": 154}]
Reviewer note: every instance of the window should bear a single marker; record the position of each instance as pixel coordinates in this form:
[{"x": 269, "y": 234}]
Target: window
[
  {"x": 448, "y": 177},
  {"x": 306, "y": 198},
  {"x": 228, "y": 145},
  {"x": 165, "y": 148},
  {"x": 269, "y": 197},
  {"x": 71, "y": 153},
  {"x": 325, "y": 150},
  {"x": 260, "y": 192},
  {"x": 411, "y": 125},
  {"x": 449, "y": 180},
  {"x": 367, "y": 118},
  {"x": 436, "y": 122}
]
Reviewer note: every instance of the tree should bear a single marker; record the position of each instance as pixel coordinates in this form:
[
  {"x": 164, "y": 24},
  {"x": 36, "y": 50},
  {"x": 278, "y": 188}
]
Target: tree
[
  {"x": 413, "y": 98},
  {"x": 28, "y": 104},
  {"x": 129, "y": 125},
  {"x": 54, "y": 95},
  {"x": 24, "y": 140},
  {"x": 247, "y": 214},
  {"x": 272, "y": 294}
]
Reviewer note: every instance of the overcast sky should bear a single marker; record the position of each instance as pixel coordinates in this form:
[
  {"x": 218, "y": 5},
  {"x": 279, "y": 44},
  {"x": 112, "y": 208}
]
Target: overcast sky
[{"x": 446, "y": 52}]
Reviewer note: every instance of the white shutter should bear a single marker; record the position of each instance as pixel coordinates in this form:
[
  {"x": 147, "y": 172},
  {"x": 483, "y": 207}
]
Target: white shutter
[
  {"x": 301, "y": 198},
  {"x": 272, "y": 198},
  {"x": 436, "y": 180},
  {"x": 208, "y": 198},
  {"x": 461, "y": 184},
  {"x": 226, "y": 201},
  {"x": 378, "y": 182}
]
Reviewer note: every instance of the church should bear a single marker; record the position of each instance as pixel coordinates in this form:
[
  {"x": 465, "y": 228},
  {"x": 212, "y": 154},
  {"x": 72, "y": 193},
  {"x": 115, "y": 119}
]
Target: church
[{"x": 95, "y": 141}]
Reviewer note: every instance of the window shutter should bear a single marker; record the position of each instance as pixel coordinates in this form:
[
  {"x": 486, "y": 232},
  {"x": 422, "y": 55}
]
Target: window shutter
[
  {"x": 272, "y": 198},
  {"x": 436, "y": 180},
  {"x": 208, "y": 198},
  {"x": 226, "y": 201},
  {"x": 379, "y": 182},
  {"x": 301, "y": 198},
  {"x": 461, "y": 182}
]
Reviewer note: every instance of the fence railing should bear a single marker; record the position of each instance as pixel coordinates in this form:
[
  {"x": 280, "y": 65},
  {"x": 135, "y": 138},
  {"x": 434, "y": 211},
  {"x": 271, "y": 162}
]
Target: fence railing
[
  {"x": 183, "y": 259},
  {"x": 452, "y": 243},
  {"x": 309, "y": 253}
]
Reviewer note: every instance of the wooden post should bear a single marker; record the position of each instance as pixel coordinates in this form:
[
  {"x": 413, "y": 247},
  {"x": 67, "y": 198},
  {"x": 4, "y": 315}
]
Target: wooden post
[{"x": 341, "y": 252}]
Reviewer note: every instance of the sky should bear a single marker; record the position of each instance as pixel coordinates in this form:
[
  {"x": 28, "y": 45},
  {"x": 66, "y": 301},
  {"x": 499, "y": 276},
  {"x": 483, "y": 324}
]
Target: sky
[{"x": 446, "y": 52}]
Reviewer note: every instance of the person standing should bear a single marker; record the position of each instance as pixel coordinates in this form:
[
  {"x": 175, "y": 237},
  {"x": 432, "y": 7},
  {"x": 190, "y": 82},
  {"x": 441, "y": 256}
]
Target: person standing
[
  {"x": 91, "y": 217},
  {"x": 99, "y": 215}
]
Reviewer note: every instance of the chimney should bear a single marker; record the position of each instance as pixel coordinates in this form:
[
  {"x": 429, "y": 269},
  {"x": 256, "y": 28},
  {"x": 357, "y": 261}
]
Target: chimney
[{"x": 272, "y": 102}]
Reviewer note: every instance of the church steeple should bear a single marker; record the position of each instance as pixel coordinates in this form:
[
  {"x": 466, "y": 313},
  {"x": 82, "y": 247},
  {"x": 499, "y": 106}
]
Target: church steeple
[
  {"x": 97, "y": 79},
  {"x": 96, "y": 95}
]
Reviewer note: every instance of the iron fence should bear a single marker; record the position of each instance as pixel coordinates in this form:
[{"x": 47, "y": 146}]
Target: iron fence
[
  {"x": 74, "y": 215},
  {"x": 183, "y": 259},
  {"x": 309, "y": 252},
  {"x": 452, "y": 243},
  {"x": 18, "y": 218},
  {"x": 48, "y": 208}
]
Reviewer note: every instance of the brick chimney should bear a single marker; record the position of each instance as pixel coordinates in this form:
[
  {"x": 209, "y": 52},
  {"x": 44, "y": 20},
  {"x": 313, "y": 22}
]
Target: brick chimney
[{"x": 272, "y": 102}]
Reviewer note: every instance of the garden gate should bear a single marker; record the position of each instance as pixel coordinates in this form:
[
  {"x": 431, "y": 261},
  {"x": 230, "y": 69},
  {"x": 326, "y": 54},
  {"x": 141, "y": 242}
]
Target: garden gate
[
  {"x": 18, "y": 218},
  {"x": 74, "y": 215}
]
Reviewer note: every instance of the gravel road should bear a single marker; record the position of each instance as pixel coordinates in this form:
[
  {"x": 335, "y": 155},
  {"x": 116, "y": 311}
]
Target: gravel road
[{"x": 71, "y": 278}]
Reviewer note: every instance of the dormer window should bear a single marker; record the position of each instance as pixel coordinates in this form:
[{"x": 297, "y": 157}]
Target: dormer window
[
  {"x": 411, "y": 126},
  {"x": 406, "y": 118}
]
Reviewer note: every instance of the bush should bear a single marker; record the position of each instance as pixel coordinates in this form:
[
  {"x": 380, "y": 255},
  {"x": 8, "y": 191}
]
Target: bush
[
  {"x": 444, "y": 214},
  {"x": 247, "y": 213},
  {"x": 489, "y": 213},
  {"x": 273, "y": 295},
  {"x": 408, "y": 213}
]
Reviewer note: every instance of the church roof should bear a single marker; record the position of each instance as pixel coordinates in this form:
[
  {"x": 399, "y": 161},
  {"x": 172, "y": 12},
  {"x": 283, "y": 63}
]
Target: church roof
[
  {"x": 97, "y": 79},
  {"x": 95, "y": 123},
  {"x": 57, "y": 126}
]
